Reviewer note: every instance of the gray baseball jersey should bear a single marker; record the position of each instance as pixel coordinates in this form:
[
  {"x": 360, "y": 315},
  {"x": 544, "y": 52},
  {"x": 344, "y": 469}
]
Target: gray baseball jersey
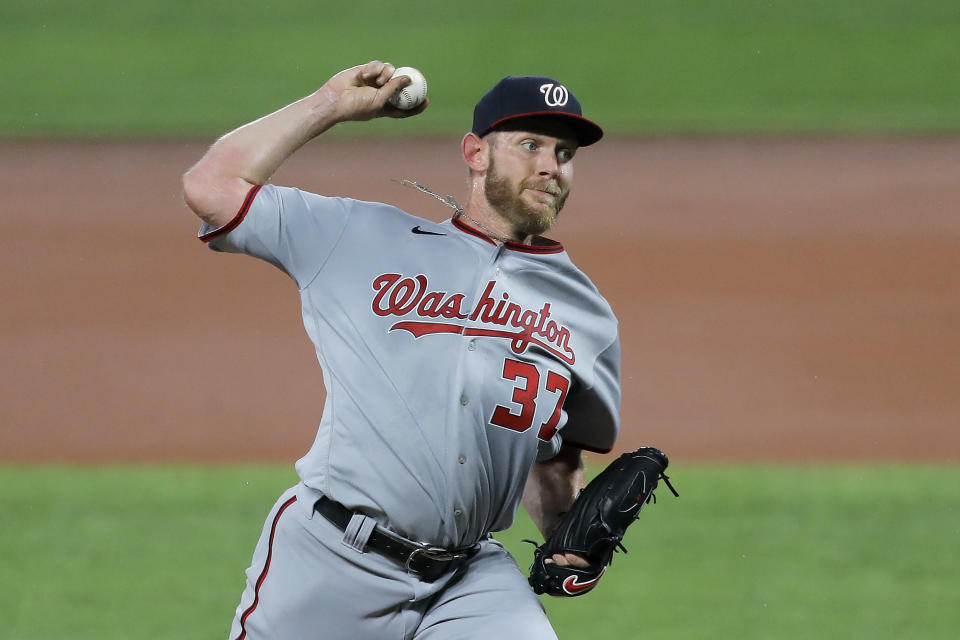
[{"x": 450, "y": 361}]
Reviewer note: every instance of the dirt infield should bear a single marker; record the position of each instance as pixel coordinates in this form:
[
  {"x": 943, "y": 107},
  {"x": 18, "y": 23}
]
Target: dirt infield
[{"x": 779, "y": 300}]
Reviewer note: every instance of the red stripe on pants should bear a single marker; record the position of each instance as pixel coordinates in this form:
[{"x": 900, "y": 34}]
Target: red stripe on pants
[{"x": 266, "y": 568}]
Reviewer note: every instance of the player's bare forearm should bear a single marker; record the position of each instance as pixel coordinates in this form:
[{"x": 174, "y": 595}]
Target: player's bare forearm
[
  {"x": 552, "y": 486},
  {"x": 216, "y": 186}
]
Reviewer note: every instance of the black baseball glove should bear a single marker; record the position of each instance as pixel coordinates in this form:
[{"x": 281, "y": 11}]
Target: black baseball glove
[{"x": 596, "y": 522}]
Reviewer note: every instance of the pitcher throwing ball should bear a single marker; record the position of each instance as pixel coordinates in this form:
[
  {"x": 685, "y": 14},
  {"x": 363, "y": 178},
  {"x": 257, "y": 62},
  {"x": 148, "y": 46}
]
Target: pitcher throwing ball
[{"x": 466, "y": 365}]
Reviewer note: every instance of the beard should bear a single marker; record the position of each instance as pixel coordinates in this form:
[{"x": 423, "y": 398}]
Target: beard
[{"x": 505, "y": 199}]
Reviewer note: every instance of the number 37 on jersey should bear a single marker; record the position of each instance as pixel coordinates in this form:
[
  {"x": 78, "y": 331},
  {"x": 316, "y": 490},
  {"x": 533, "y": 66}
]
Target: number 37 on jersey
[{"x": 527, "y": 381}]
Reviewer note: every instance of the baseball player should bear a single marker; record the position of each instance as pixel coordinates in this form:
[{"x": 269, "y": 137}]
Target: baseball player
[{"x": 466, "y": 365}]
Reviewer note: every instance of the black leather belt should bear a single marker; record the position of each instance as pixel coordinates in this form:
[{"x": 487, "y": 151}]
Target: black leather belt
[{"x": 427, "y": 561}]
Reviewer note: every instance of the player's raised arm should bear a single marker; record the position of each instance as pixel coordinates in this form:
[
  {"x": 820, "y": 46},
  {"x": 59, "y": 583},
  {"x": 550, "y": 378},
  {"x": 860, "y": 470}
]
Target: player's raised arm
[{"x": 216, "y": 186}]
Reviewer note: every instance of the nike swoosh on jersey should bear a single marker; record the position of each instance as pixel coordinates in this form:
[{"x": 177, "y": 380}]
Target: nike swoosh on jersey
[{"x": 424, "y": 232}]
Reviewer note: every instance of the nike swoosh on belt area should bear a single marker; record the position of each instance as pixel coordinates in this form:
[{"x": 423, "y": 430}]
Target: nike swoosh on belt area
[{"x": 424, "y": 232}]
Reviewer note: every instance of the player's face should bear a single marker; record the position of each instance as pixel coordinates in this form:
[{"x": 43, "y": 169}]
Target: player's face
[{"x": 530, "y": 174}]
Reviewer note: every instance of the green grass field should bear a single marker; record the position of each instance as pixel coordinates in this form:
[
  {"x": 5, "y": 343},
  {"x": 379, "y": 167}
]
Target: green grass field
[
  {"x": 746, "y": 552},
  {"x": 178, "y": 68}
]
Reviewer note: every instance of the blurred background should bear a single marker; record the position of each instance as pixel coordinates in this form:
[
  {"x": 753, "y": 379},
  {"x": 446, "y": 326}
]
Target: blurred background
[{"x": 773, "y": 215}]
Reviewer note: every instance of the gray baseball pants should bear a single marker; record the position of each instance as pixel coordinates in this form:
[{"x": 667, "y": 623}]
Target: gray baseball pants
[{"x": 305, "y": 583}]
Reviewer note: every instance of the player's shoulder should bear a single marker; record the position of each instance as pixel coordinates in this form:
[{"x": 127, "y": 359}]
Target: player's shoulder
[
  {"x": 571, "y": 269},
  {"x": 379, "y": 219},
  {"x": 379, "y": 214},
  {"x": 588, "y": 293}
]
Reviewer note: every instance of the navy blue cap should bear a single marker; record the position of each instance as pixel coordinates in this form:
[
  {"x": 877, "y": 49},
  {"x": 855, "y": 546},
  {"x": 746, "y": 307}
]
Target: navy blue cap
[{"x": 525, "y": 96}]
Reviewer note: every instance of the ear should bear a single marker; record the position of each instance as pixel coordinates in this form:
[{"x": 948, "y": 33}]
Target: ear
[{"x": 476, "y": 152}]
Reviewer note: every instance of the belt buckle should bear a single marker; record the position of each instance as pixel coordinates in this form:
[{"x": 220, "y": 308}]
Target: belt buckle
[{"x": 432, "y": 553}]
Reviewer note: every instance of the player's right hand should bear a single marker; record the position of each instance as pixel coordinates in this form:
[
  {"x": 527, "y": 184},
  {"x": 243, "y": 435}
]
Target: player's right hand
[{"x": 361, "y": 93}]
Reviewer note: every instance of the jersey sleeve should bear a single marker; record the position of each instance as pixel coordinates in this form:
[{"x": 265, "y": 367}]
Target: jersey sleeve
[
  {"x": 291, "y": 229},
  {"x": 593, "y": 413}
]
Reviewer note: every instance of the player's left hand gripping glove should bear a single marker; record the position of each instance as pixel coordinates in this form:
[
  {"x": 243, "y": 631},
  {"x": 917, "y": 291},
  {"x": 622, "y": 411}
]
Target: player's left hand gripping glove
[{"x": 596, "y": 522}]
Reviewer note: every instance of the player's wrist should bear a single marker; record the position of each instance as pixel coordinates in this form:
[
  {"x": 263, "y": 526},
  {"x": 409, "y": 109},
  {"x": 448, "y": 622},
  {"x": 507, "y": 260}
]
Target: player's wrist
[{"x": 324, "y": 110}]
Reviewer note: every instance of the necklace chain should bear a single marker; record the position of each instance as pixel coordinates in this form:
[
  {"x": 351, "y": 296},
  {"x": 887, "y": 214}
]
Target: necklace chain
[
  {"x": 487, "y": 230},
  {"x": 452, "y": 203}
]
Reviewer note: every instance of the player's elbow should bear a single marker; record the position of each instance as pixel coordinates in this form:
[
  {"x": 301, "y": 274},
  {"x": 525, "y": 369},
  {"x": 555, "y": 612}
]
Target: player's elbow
[
  {"x": 193, "y": 190},
  {"x": 212, "y": 198}
]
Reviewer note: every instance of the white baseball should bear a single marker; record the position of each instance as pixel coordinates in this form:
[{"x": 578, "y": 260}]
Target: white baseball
[{"x": 413, "y": 94}]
